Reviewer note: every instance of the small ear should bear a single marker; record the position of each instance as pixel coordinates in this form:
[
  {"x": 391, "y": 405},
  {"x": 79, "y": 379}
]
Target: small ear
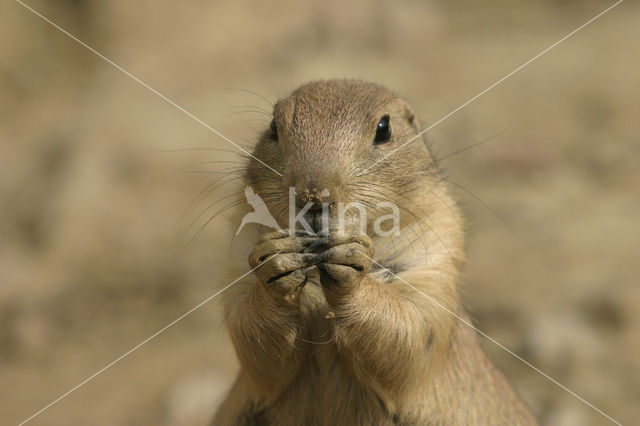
[
  {"x": 413, "y": 120},
  {"x": 409, "y": 115},
  {"x": 415, "y": 123}
]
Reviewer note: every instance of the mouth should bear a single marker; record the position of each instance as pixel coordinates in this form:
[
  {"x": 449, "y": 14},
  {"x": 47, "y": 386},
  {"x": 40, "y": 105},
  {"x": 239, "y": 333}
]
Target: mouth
[
  {"x": 322, "y": 223},
  {"x": 314, "y": 219}
]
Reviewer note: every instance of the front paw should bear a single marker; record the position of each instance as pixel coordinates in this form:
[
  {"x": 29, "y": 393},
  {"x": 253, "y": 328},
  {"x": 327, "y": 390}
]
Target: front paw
[
  {"x": 280, "y": 264},
  {"x": 345, "y": 262}
]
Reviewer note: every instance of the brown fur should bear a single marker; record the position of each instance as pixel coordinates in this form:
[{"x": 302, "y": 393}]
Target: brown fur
[{"x": 349, "y": 343}]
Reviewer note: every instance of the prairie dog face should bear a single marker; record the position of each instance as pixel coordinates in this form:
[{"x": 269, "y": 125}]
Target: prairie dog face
[{"x": 326, "y": 139}]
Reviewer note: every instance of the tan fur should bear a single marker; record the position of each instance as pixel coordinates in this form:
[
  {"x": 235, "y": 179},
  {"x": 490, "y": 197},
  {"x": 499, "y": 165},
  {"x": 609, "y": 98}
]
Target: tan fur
[{"x": 359, "y": 348}]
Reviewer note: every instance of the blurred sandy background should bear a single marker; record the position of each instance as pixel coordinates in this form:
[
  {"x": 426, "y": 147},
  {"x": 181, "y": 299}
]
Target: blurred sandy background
[{"x": 91, "y": 247}]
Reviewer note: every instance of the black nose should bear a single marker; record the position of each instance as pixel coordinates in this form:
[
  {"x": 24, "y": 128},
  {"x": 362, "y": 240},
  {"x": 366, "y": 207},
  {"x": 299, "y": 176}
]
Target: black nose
[{"x": 312, "y": 195}]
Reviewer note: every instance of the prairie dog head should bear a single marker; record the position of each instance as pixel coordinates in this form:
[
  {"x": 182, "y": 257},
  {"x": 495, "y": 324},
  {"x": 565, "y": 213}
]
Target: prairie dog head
[{"x": 329, "y": 140}]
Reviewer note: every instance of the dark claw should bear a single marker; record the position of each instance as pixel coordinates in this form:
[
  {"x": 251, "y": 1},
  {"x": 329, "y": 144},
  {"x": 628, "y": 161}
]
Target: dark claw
[
  {"x": 317, "y": 245},
  {"x": 273, "y": 279},
  {"x": 308, "y": 256},
  {"x": 319, "y": 258}
]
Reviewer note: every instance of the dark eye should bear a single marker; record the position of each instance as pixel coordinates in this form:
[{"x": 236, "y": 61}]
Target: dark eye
[
  {"x": 383, "y": 131},
  {"x": 274, "y": 130}
]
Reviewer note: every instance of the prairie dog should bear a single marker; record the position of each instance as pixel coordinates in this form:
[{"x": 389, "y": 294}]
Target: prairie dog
[{"x": 326, "y": 330}]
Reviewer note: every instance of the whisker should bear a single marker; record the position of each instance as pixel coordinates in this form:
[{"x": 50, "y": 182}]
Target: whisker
[
  {"x": 264, "y": 98},
  {"x": 251, "y": 106},
  {"x": 248, "y": 111},
  {"x": 468, "y": 147},
  {"x": 231, "y": 151},
  {"x": 203, "y": 163},
  {"x": 468, "y": 191},
  {"x": 209, "y": 206},
  {"x": 195, "y": 237},
  {"x": 216, "y": 184}
]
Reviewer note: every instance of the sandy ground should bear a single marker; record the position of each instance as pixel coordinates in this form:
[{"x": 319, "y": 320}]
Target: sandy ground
[{"x": 92, "y": 257}]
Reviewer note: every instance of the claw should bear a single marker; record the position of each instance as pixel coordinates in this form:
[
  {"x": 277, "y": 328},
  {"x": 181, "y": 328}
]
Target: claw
[
  {"x": 308, "y": 269},
  {"x": 318, "y": 244},
  {"x": 319, "y": 258}
]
